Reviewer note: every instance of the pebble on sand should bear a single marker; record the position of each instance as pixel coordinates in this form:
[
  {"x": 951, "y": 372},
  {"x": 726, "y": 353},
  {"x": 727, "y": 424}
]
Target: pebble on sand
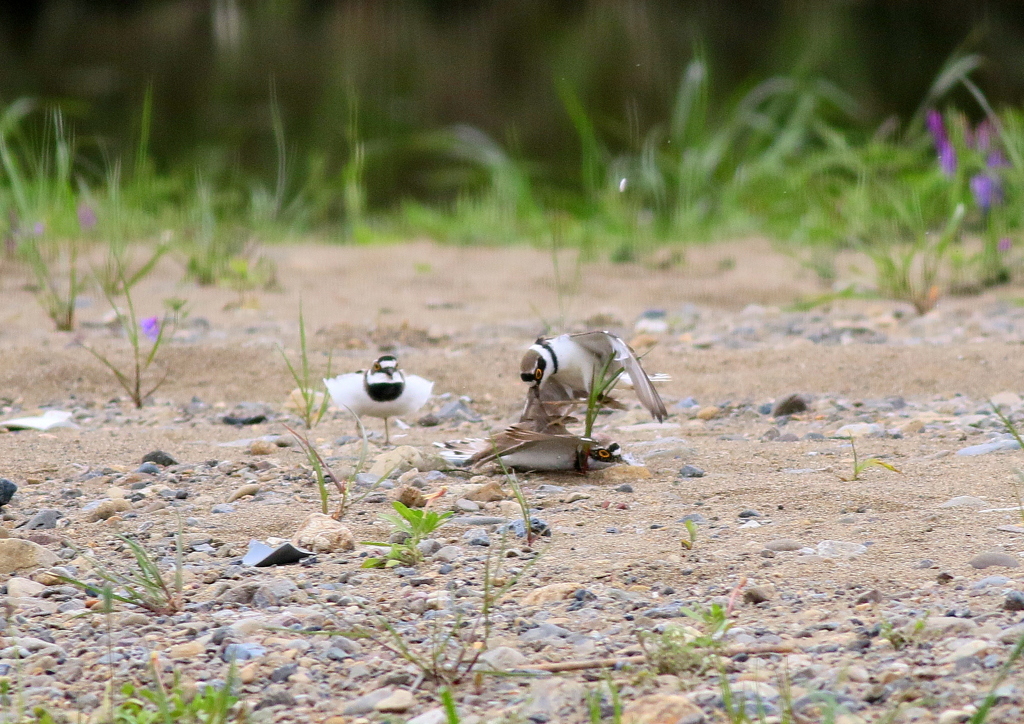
[{"x": 993, "y": 558}]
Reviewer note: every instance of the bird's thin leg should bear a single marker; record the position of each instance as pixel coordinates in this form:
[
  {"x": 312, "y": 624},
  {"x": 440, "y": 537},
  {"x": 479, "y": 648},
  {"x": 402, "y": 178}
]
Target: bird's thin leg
[{"x": 387, "y": 436}]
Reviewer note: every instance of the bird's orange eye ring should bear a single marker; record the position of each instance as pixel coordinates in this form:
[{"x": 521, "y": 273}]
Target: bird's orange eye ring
[
  {"x": 376, "y": 368},
  {"x": 538, "y": 373},
  {"x": 603, "y": 454}
]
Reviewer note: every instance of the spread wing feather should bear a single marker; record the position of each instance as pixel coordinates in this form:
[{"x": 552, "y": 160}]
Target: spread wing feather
[{"x": 604, "y": 344}]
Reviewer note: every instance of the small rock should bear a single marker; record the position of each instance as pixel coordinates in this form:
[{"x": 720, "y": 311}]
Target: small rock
[
  {"x": 397, "y": 461},
  {"x": 488, "y": 492},
  {"x": 1005, "y": 399},
  {"x": 457, "y": 410},
  {"x": 159, "y": 457},
  {"x": 758, "y": 594},
  {"x": 22, "y": 555},
  {"x": 222, "y": 508},
  {"x": 259, "y": 446},
  {"x": 840, "y": 549},
  {"x": 965, "y": 501},
  {"x": 748, "y": 514},
  {"x": 45, "y": 519},
  {"x": 993, "y": 558},
  {"x": 366, "y": 703},
  {"x": 243, "y": 491},
  {"x": 549, "y": 593},
  {"x": 988, "y": 447},
  {"x": 23, "y": 587},
  {"x": 662, "y": 709},
  {"x": 624, "y": 488},
  {"x": 7, "y": 491},
  {"x": 448, "y": 554},
  {"x": 790, "y": 405},
  {"x": 411, "y": 497},
  {"x": 400, "y": 700},
  {"x": 323, "y": 534},
  {"x": 691, "y": 471},
  {"x": 242, "y": 652},
  {"x": 782, "y": 544},
  {"x": 1014, "y": 601},
  {"x": 187, "y": 650},
  {"x": 276, "y": 698},
  {"x": 1011, "y": 634},
  {"x": 476, "y": 538},
  {"x": 431, "y": 716},
  {"x": 708, "y": 413},
  {"x": 503, "y": 658},
  {"x": 148, "y": 469},
  {"x": 108, "y": 508},
  {"x": 989, "y": 581},
  {"x": 247, "y": 413},
  {"x": 467, "y": 506},
  {"x": 860, "y": 429},
  {"x": 872, "y": 596}
]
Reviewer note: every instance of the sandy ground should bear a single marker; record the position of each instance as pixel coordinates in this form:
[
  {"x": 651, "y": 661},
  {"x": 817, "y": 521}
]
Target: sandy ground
[{"x": 462, "y": 318}]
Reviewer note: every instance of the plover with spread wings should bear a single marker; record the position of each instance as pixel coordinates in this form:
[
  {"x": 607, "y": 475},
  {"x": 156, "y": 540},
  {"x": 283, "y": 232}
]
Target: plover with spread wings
[
  {"x": 564, "y": 368},
  {"x": 381, "y": 391}
]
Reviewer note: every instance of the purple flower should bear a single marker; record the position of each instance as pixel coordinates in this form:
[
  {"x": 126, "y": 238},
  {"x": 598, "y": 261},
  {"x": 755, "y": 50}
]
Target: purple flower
[
  {"x": 943, "y": 147},
  {"x": 987, "y": 190},
  {"x": 38, "y": 228},
  {"x": 86, "y": 217},
  {"x": 1005, "y": 244},
  {"x": 151, "y": 328}
]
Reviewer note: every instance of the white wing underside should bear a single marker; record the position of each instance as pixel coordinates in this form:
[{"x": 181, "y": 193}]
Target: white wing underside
[{"x": 605, "y": 344}]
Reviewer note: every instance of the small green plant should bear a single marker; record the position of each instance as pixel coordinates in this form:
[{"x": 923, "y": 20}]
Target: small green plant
[
  {"x": 57, "y": 295},
  {"x": 520, "y": 496},
  {"x": 159, "y": 704},
  {"x": 598, "y": 711},
  {"x": 145, "y": 586},
  {"x": 322, "y": 472},
  {"x": 902, "y": 637},
  {"x": 677, "y": 651},
  {"x": 116, "y": 275},
  {"x": 910, "y": 273},
  {"x": 691, "y": 532},
  {"x": 417, "y": 525},
  {"x": 451, "y": 653},
  {"x": 154, "y": 329},
  {"x": 603, "y": 381},
  {"x": 860, "y": 466},
  {"x": 313, "y": 401}
]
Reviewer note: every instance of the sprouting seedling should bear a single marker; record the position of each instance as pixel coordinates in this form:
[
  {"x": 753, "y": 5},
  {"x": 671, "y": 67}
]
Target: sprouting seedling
[
  {"x": 313, "y": 401},
  {"x": 691, "y": 531},
  {"x": 860, "y": 466},
  {"x": 602, "y": 383},
  {"x": 417, "y": 525}
]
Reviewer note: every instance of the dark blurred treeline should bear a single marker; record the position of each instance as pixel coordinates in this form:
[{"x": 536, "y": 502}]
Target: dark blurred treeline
[{"x": 402, "y": 67}]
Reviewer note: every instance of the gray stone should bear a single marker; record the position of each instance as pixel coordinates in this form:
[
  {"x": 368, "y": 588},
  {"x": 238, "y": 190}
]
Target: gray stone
[
  {"x": 273, "y": 593},
  {"x": 448, "y": 554},
  {"x": 466, "y": 506},
  {"x": 503, "y": 658},
  {"x": 691, "y": 471},
  {"x": 1014, "y": 601},
  {"x": 990, "y": 581},
  {"x": 7, "y": 491},
  {"x": 159, "y": 457},
  {"x": 965, "y": 501},
  {"x": 45, "y": 519},
  {"x": 993, "y": 558},
  {"x": 988, "y": 447},
  {"x": 840, "y": 549},
  {"x": 429, "y": 547},
  {"x": 223, "y": 508},
  {"x": 366, "y": 703},
  {"x": 476, "y": 538},
  {"x": 782, "y": 544},
  {"x": 242, "y": 652}
]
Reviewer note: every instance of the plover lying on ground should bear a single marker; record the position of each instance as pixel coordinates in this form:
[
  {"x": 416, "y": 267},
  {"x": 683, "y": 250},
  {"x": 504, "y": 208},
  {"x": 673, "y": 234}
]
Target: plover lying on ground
[
  {"x": 564, "y": 367},
  {"x": 523, "y": 449},
  {"x": 381, "y": 391}
]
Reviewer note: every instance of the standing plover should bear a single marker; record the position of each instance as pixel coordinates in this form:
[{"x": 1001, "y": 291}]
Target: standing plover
[
  {"x": 381, "y": 391},
  {"x": 564, "y": 367}
]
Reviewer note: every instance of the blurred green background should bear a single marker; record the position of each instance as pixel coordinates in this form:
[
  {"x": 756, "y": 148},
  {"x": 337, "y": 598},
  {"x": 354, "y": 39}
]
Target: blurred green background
[{"x": 615, "y": 127}]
